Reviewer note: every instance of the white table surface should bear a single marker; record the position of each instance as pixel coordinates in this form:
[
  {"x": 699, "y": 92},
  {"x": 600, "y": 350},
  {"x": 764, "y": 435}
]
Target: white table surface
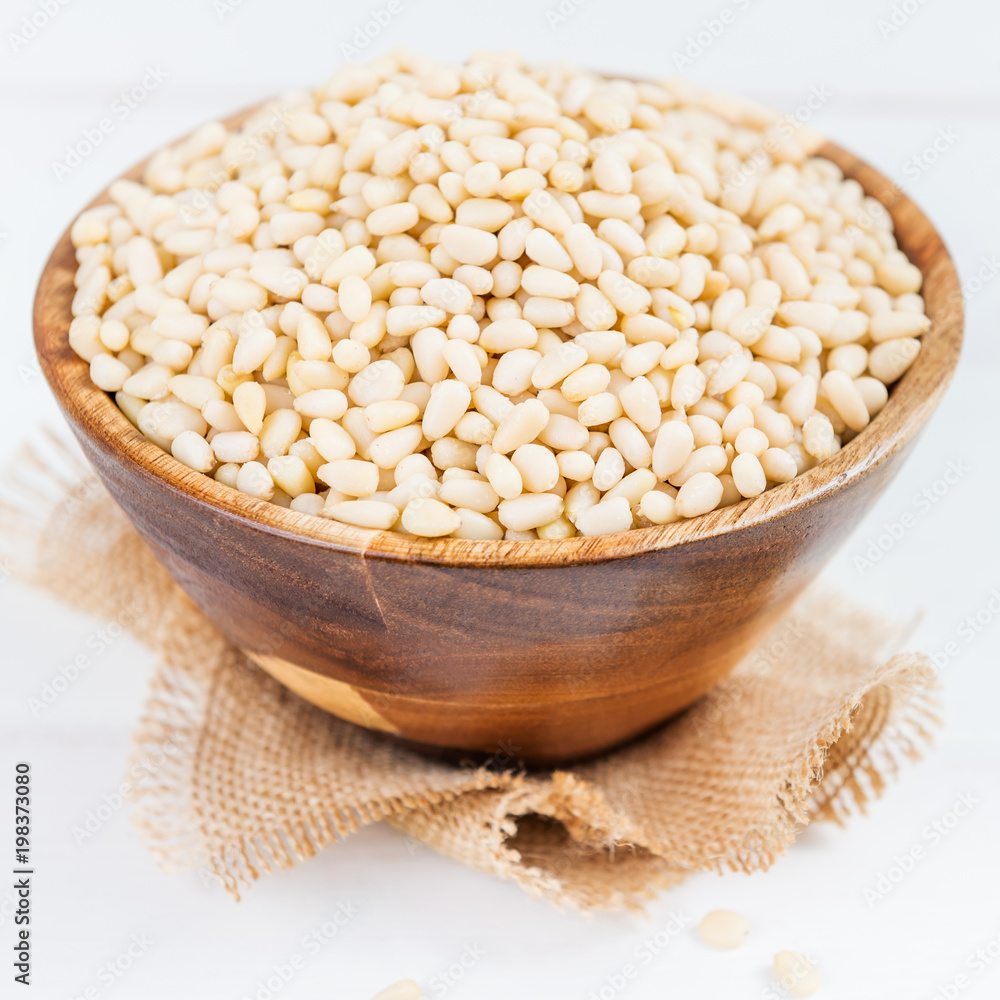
[{"x": 414, "y": 913}]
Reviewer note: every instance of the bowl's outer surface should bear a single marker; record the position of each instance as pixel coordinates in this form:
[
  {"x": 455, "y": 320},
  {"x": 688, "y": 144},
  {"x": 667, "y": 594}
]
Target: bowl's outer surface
[{"x": 558, "y": 649}]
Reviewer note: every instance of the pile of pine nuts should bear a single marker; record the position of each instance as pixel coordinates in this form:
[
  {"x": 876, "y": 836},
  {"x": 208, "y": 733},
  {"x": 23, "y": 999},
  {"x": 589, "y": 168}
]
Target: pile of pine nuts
[{"x": 488, "y": 301}]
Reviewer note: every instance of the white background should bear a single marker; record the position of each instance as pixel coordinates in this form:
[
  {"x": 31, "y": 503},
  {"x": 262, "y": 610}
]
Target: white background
[{"x": 892, "y": 91}]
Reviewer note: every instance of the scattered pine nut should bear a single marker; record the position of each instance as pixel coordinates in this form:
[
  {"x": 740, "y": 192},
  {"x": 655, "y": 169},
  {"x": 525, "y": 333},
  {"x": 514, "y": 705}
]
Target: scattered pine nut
[
  {"x": 796, "y": 973},
  {"x": 405, "y": 989},
  {"x": 724, "y": 929}
]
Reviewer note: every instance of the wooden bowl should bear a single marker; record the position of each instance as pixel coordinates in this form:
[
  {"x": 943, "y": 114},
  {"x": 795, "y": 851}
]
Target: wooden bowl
[{"x": 544, "y": 650}]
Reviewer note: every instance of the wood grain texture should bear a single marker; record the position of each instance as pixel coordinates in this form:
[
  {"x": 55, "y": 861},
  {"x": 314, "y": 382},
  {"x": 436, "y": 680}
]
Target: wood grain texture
[{"x": 561, "y": 648}]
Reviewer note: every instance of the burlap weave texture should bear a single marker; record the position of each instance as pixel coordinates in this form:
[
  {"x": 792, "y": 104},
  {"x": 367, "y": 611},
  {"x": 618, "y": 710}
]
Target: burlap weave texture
[{"x": 248, "y": 778}]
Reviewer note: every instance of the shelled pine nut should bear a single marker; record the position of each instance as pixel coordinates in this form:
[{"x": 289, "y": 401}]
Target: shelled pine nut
[{"x": 406, "y": 310}]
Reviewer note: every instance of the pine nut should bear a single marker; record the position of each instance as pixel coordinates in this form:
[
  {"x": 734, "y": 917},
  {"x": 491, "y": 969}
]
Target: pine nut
[
  {"x": 84, "y": 337},
  {"x": 586, "y": 382},
  {"x": 429, "y": 518},
  {"x": 777, "y": 426},
  {"x": 631, "y": 442},
  {"x": 254, "y": 480},
  {"x": 291, "y": 474},
  {"x": 564, "y": 433},
  {"x": 751, "y": 441},
  {"x": 605, "y": 517},
  {"x": 195, "y": 390},
  {"x": 108, "y": 373},
  {"x": 633, "y": 487},
  {"x": 388, "y": 414},
  {"x": 599, "y": 409},
  {"x": 476, "y": 525},
  {"x": 593, "y": 308},
  {"x": 897, "y": 324},
  {"x": 239, "y": 294},
  {"x": 575, "y": 465},
  {"x": 449, "y": 401},
  {"x": 872, "y": 392},
  {"x": 235, "y": 446},
  {"x": 818, "y": 437},
  {"x": 898, "y": 277},
  {"x": 392, "y": 219},
  {"x": 308, "y": 503},
  {"x": 282, "y": 281},
  {"x": 658, "y": 507},
  {"x": 538, "y": 468},
  {"x": 529, "y": 510},
  {"x": 228, "y": 473},
  {"x": 469, "y": 245},
  {"x": 162, "y": 420},
  {"x": 584, "y": 250},
  {"x": 507, "y": 335},
  {"x": 640, "y": 403},
  {"x": 611, "y": 173},
  {"x": 354, "y": 297},
  {"x": 601, "y": 345},
  {"x": 724, "y": 928},
  {"x": 748, "y": 475},
  {"x": 331, "y": 440},
  {"x": 708, "y": 458},
  {"x": 548, "y": 282},
  {"x": 796, "y": 973},
  {"x": 474, "y": 428},
  {"x": 328, "y": 403},
  {"x": 889, "y": 359},
  {"x": 521, "y": 426},
  {"x": 778, "y": 465},
  {"x": 353, "y": 477},
  {"x": 194, "y": 451},
  {"x": 688, "y": 386},
  {"x": 255, "y": 344},
  {"x": 410, "y": 487},
  {"x": 447, "y": 294},
  {"x": 603, "y": 205},
  {"x": 379, "y": 380},
  {"x": 390, "y": 448},
  {"x": 469, "y": 493},
  {"x": 674, "y": 445},
  {"x": 364, "y": 513},
  {"x": 544, "y": 249},
  {"x": 839, "y": 388},
  {"x": 800, "y": 400},
  {"x": 558, "y": 364},
  {"x": 820, "y": 317},
  {"x": 150, "y": 382},
  {"x": 609, "y": 469},
  {"x": 526, "y": 286},
  {"x": 404, "y": 321},
  {"x": 626, "y": 295},
  {"x": 700, "y": 494},
  {"x": 503, "y": 476},
  {"x": 279, "y": 431}
]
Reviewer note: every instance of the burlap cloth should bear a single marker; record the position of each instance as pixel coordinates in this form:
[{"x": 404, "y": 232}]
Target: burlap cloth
[{"x": 237, "y": 777}]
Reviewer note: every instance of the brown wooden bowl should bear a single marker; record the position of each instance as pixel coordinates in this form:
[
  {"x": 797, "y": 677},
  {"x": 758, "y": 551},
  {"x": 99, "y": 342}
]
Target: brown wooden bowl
[{"x": 546, "y": 650}]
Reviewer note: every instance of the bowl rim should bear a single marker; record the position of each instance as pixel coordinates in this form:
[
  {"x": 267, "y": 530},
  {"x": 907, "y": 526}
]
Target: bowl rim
[{"x": 94, "y": 414}]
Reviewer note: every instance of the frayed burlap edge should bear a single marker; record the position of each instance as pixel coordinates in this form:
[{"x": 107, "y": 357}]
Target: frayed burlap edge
[{"x": 568, "y": 836}]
